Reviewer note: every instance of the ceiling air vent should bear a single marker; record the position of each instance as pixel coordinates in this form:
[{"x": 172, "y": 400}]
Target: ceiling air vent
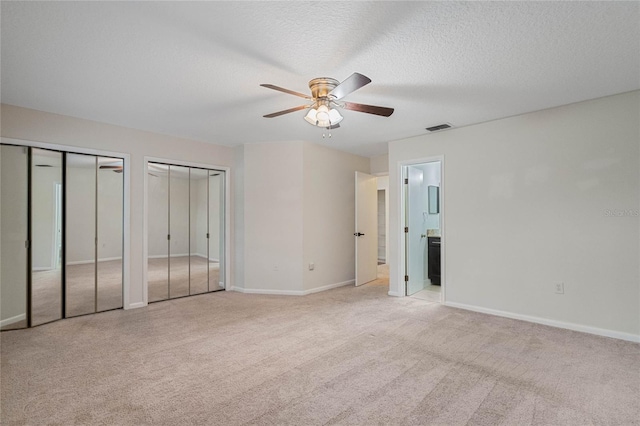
[{"x": 439, "y": 127}]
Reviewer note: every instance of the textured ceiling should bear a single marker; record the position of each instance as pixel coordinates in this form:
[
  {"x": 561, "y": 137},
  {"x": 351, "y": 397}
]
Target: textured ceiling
[{"x": 194, "y": 69}]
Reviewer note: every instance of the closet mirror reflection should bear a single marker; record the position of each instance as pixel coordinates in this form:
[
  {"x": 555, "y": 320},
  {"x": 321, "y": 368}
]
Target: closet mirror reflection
[
  {"x": 198, "y": 247},
  {"x": 185, "y": 230},
  {"x": 158, "y": 232},
  {"x": 14, "y": 178},
  {"x": 62, "y": 237},
  {"x": 94, "y": 238},
  {"x": 109, "y": 232},
  {"x": 80, "y": 236},
  {"x": 216, "y": 230},
  {"x": 46, "y": 236},
  {"x": 178, "y": 231}
]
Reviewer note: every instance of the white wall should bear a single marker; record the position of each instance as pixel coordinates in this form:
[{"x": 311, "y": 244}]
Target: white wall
[
  {"x": 216, "y": 215},
  {"x": 80, "y": 197},
  {"x": 238, "y": 219},
  {"x": 379, "y": 165},
  {"x": 31, "y": 125},
  {"x": 273, "y": 221},
  {"x": 179, "y": 214},
  {"x": 43, "y": 212},
  {"x": 110, "y": 214},
  {"x": 158, "y": 220},
  {"x": 550, "y": 196},
  {"x": 329, "y": 215},
  {"x": 298, "y": 207}
]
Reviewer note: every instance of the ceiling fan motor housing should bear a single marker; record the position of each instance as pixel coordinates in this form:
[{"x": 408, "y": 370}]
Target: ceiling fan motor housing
[{"x": 321, "y": 87}]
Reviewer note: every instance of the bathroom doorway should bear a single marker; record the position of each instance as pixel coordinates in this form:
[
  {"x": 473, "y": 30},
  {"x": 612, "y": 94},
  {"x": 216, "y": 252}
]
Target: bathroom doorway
[{"x": 422, "y": 223}]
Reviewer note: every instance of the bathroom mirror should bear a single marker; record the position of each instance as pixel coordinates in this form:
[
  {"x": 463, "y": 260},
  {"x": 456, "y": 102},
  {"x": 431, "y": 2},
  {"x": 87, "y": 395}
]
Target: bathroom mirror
[{"x": 434, "y": 199}]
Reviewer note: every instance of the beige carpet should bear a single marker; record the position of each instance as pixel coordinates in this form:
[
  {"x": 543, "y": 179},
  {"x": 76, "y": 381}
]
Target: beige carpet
[
  {"x": 351, "y": 355},
  {"x": 81, "y": 296}
]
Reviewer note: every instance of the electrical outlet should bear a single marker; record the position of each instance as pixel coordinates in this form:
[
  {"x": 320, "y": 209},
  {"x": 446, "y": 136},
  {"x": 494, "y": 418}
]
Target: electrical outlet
[
  {"x": 312, "y": 266},
  {"x": 559, "y": 288}
]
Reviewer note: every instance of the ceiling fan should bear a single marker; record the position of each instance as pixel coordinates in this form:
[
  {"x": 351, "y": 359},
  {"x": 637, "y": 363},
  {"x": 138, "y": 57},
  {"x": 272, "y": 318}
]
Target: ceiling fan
[
  {"x": 326, "y": 94},
  {"x": 118, "y": 167}
]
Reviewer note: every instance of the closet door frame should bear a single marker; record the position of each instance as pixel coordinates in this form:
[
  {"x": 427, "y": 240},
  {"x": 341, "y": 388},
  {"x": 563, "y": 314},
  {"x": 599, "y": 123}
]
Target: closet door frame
[
  {"x": 227, "y": 212},
  {"x": 126, "y": 231}
]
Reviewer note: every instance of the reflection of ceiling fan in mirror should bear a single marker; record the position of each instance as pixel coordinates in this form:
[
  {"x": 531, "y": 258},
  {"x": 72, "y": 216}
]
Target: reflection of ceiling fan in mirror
[
  {"x": 116, "y": 169},
  {"x": 326, "y": 94}
]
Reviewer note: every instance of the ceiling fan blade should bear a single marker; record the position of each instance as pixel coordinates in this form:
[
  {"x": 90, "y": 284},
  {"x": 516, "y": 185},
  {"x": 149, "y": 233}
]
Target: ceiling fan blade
[
  {"x": 282, "y": 89},
  {"x": 286, "y": 111},
  {"x": 335, "y": 126},
  {"x": 351, "y": 84},
  {"x": 369, "y": 109}
]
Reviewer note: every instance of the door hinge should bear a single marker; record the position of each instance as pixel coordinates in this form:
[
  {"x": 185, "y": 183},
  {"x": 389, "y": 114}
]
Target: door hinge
[
  {"x": 406, "y": 181},
  {"x": 406, "y": 229},
  {"x": 168, "y": 236},
  {"x": 406, "y": 278},
  {"x": 207, "y": 235},
  {"x": 26, "y": 244}
]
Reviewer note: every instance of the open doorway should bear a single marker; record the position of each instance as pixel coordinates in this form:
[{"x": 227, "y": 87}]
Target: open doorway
[
  {"x": 423, "y": 230},
  {"x": 371, "y": 229}
]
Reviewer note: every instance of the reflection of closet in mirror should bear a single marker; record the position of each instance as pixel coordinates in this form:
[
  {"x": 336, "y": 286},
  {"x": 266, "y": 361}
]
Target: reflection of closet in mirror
[
  {"x": 14, "y": 177},
  {"x": 46, "y": 236},
  {"x": 110, "y": 233},
  {"x": 216, "y": 230},
  {"x": 178, "y": 231},
  {"x": 185, "y": 237},
  {"x": 198, "y": 206},
  {"x": 94, "y": 239},
  {"x": 158, "y": 232}
]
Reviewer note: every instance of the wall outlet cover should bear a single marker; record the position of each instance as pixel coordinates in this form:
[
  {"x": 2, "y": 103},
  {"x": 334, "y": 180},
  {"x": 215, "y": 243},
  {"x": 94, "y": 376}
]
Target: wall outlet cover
[{"x": 559, "y": 287}]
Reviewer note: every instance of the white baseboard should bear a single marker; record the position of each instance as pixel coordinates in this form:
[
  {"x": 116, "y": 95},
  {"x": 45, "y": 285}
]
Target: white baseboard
[
  {"x": 395, "y": 294},
  {"x": 163, "y": 256},
  {"x": 553, "y": 323},
  {"x": 84, "y": 262},
  {"x": 329, "y": 286},
  {"x": 269, "y": 291},
  {"x": 12, "y": 320},
  {"x": 135, "y": 305},
  {"x": 292, "y": 292}
]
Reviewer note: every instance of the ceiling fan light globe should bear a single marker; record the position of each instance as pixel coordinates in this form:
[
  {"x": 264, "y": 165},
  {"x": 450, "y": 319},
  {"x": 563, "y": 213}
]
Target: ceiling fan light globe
[
  {"x": 335, "y": 117},
  {"x": 322, "y": 115},
  {"x": 311, "y": 116}
]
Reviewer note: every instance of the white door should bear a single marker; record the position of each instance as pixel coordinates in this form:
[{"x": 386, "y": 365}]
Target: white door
[
  {"x": 366, "y": 231},
  {"x": 416, "y": 237}
]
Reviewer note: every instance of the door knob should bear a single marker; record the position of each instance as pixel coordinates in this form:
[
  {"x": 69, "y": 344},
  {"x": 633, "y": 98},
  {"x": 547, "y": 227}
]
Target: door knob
[{"x": 358, "y": 234}]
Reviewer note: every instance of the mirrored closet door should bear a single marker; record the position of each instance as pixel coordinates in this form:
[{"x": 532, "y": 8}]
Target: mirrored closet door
[
  {"x": 46, "y": 236},
  {"x": 94, "y": 212},
  {"x": 185, "y": 231},
  {"x": 14, "y": 232},
  {"x": 62, "y": 235}
]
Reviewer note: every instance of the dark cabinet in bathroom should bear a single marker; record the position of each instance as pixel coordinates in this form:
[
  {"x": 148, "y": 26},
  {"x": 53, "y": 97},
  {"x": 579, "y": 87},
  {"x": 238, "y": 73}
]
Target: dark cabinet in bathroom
[{"x": 434, "y": 259}]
